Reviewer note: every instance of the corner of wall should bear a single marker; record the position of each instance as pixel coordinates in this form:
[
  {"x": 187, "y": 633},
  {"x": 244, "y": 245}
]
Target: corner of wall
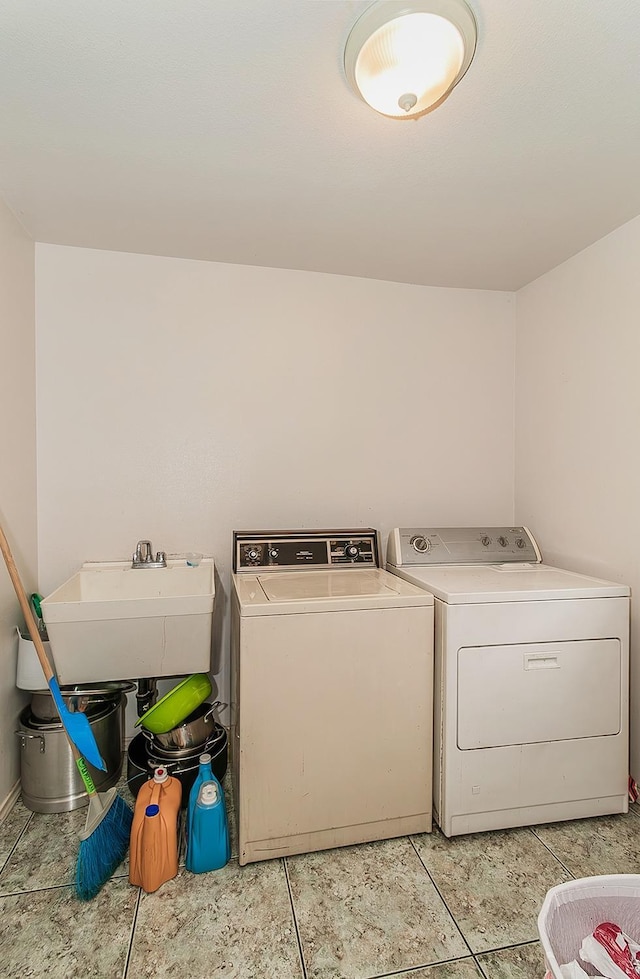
[{"x": 18, "y": 476}]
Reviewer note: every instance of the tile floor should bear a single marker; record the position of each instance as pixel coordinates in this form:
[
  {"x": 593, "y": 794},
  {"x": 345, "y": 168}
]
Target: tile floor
[{"x": 422, "y": 907}]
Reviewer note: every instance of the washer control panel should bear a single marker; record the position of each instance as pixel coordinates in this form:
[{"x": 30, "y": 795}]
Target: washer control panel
[
  {"x": 289, "y": 550},
  {"x": 462, "y": 545}
]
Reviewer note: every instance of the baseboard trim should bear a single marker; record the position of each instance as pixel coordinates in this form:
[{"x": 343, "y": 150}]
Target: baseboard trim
[{"x": 9, "y": 802}]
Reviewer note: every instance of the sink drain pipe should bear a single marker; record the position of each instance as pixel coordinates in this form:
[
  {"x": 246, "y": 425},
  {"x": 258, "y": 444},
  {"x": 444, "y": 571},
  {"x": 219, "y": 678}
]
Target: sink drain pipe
[{"x": 147, "y": 694}]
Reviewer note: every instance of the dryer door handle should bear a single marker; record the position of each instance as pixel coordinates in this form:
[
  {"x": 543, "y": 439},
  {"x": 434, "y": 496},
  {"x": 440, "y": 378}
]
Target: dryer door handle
[{"x": 540, "y": 661}]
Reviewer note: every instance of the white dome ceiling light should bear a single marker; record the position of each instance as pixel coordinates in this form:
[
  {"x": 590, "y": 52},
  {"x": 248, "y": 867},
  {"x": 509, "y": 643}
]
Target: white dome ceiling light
[{"x": 405, "y": 58}]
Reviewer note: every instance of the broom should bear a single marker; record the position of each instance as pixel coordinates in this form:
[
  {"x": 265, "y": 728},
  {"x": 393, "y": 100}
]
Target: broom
[{"x": 105, "y": 838}]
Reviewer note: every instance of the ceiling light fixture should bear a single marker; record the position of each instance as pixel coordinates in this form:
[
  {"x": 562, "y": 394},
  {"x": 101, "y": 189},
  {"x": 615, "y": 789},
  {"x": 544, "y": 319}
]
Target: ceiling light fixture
[{"x": 404, "y": 58}]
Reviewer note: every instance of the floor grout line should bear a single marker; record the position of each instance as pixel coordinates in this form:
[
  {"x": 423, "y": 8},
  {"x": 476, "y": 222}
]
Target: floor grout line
[
  {"x": 479, "y": 967},
  {"x": 532, "y": 830},
  {"x": 19, "y": 837},
  {"x": 295, "y": 919},
  {"x": 425, "y": 965},
  {"x": 39, "y": 890},
  {"x": 505, "y": 948},
  {"x": 440, "y": 895},
  {"x": 132, "y": 935}
]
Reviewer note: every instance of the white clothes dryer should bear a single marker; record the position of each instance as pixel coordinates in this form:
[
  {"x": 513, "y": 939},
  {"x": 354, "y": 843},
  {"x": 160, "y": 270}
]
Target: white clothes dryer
[
  {"x": 531, "y": 687},
  {"x": 331, "y": 694}
]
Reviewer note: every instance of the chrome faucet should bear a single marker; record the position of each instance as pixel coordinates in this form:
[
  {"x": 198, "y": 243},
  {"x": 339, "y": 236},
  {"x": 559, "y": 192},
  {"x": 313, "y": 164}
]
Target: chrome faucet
[{"x": 143, "y": 557}]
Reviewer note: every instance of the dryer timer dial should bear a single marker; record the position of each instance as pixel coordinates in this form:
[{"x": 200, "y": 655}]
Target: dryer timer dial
[{"x": 420, "y": 544}]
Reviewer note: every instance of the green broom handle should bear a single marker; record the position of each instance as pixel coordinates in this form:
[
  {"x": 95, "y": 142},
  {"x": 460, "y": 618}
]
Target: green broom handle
[{"x": 82, "y": 768}]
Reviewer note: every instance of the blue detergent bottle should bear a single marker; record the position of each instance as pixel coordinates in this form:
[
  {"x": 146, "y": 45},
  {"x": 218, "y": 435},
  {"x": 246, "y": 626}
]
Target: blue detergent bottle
[{"x": 207, "y": 829}]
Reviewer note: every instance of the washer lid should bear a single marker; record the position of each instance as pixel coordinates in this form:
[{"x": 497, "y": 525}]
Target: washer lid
[
  {"x": 323, "y": 591},
  {"x": 466, "y": 585},
  {"x": 329, "y": 584}
]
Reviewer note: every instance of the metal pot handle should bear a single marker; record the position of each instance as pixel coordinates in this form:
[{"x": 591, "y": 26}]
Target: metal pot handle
[
  {"x": 218, "y": 705},
  {"x": 78, "y": 703},
  {"x": 32, "y": 737},
  {"x": 172, "y": 767},
  {"x": 218, "y": 736}
]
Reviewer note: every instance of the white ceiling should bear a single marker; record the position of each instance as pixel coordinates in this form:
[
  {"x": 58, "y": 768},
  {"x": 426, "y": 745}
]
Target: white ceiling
[{"x": 225, "y": 130}]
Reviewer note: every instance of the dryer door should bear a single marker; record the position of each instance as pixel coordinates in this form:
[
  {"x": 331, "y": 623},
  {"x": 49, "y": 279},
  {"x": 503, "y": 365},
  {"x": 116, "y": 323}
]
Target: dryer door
[{"x": 528, "y": 693}]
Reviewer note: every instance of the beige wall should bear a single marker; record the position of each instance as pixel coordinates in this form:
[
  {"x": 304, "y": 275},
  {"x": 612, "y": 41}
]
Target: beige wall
[
  {"x": 17, "y": 465},
  {"x": 180, "y": 400},
  {"x": 578, "y": 418}
]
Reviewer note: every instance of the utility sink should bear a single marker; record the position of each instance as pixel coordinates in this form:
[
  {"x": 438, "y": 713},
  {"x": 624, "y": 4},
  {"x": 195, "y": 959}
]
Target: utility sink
[{"x": 112, "y": 622}]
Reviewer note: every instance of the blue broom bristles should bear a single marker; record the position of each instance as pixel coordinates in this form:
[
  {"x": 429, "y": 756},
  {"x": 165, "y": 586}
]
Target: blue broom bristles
[{"x": 102, "y": 853}]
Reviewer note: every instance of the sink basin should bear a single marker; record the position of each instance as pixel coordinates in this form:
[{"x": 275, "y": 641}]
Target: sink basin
[{"x": 111, "y": 622}]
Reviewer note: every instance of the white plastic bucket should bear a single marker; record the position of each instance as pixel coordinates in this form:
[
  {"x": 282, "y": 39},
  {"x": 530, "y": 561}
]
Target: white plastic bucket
[
  {"x": 29, "y": 675},
  {"x": 573, "y": 910}
]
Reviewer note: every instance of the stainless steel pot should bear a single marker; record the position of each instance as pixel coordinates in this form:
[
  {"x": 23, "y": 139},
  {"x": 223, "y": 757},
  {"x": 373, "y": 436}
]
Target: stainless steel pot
[
  {"x": 50, "y": 779},
  {"x": 80, "y": 697},
  {"x": 141, "y": 761},
  {"x": 194, "y": 730},
  {"x": 176, "y": 754}
]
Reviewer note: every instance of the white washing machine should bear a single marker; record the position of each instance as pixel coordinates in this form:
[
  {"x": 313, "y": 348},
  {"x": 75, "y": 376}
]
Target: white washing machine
[
  {"x": 331, "y": 691},
  {"x": 531, "y": 680}
]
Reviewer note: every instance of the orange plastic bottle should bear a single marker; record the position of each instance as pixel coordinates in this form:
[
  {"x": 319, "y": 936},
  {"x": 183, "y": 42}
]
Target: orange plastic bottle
[{"x": 154, "y": 833}]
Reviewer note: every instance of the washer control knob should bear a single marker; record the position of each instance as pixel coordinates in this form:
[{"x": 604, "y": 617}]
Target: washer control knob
[
  {"x": 273, "y": 553},
  {"x": 420, "y": 544},
  {"x": 352, "y": 551},
  {"x": 485, "y": 541},
  {"x": 252, "y": 554},
  {"x": 519, "y": 542},
  {"x": 502, "y": 541}
]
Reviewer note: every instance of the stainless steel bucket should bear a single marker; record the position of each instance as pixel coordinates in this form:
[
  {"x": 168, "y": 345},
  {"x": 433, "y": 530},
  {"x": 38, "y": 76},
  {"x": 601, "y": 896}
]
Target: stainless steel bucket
[
  {"x": 50, "y": 780},
  {"x": 79, "y": 697}
]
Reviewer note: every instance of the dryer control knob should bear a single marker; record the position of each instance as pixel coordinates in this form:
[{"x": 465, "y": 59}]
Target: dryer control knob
[
  {"x": 253, "y": 554},
  {"x": 519, "y": 542},
  {"x": 352, "y": 551},
  {"x": 273, "y": 553},
  {"x": 420, "y": 544},
  {"x": 502, "y": 541},
  {"x": 485, "y": 540}
]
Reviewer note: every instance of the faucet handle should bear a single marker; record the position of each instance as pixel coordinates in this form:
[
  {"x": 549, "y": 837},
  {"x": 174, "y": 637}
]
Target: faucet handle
[
  {"x": 143, "y": 551},
  {"x": 143, "y": 556}
]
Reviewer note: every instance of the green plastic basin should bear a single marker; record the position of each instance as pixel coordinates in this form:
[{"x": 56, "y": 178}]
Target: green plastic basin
[{"x": 178, "y": 703}]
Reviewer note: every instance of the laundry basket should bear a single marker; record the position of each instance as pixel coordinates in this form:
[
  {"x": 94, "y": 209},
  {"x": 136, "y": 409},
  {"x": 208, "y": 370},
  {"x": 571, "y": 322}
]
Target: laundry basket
[{"x": 573, "y": 910}]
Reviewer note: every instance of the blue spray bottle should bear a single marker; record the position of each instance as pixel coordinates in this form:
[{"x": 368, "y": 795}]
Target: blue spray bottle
[{"x": 207, "y": 829}]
